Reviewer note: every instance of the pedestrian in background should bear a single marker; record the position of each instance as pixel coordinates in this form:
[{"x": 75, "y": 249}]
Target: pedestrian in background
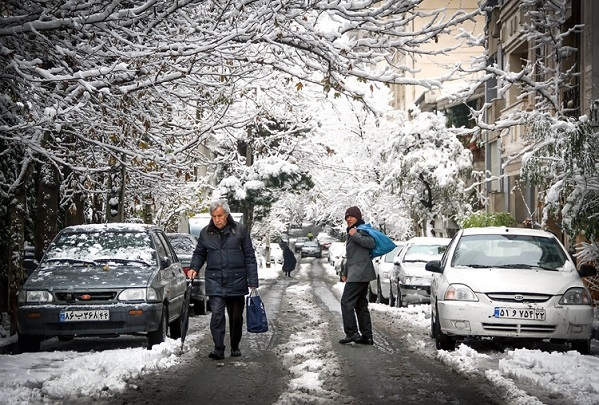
[
  {"x": 357, "y": 273},
  {"x": 226, "y": 248},
  {"x": 289, "y": 260}
]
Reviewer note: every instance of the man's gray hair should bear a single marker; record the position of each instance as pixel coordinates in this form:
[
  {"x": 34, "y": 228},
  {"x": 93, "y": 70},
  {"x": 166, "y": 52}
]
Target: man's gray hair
[{"x": 220, "y": 204}]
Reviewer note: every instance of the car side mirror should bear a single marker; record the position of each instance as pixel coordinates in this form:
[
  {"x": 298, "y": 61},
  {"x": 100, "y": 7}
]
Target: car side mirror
[
  {"x": 586, "y": 270},
  {"x": 433, "y": 266},
  {"x": 165, "y": 261}
]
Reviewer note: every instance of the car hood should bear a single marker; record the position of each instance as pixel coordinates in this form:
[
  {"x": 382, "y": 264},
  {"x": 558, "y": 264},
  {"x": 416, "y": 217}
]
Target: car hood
[
  {"x": 415, "y": 269},
  {"x": 515, "y": 280},
  {"x": 90, "y": 277}
]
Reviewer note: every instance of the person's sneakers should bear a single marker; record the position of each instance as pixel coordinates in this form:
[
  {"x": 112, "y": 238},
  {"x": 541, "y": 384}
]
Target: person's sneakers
[
  {"x": 216, "y": 355},
  {"x": 351, "y": 339},
  {"x": 235, "y": 353},
  {"x": 366, "y": 341}
]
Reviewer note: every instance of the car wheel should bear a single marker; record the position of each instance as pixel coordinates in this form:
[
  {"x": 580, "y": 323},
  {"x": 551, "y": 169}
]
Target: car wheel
[
  {"x": 398, "y": 300},
  {"x": 176, "y": 327},
  {"x": 379, "y": 293},
  {"x": 199, "y": 307},
  {"x": 401, "y": 301},
  {"x": 442, "y": 341},
  {"x": 29, "y": 343},
  {"x": 371, "y": 296},
  {"x": 391, "y": 297},
  {"x": 581, "y": 346},
  {"x": 157, "y": 336}
]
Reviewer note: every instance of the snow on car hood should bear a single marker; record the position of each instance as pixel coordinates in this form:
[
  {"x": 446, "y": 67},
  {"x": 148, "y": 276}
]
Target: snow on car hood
[
  {"x": 90, "y": 277},
  {"x": 415, "y": 269},
  {"x": 487, "y": 280}
]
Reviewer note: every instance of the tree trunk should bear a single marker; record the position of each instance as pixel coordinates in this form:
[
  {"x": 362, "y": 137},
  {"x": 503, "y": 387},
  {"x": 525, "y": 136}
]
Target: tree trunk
[
  {"x": 115, "y": 211},
  {"x": 48, "y": 197},
  {"x": 16, "y": 274},
  {"x": 75, "y": 211}
]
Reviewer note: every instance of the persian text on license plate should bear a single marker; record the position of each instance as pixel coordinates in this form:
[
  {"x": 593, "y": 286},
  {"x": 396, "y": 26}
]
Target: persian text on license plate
[
  {"x": 90, "y": 315},
  {"x": 520, "y": 313}
]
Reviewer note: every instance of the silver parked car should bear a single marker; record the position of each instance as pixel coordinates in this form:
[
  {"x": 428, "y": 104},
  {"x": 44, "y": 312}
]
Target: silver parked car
[
  {"x": 383, "y": 267},
  {"x": 104, "y": 280},
  {"x": 410, "y": 283},
  {"x": 299, "y": 242},
  {"x": 506, "y": 283},
  {"x": 311, "y": 249},
  {"x": 184, "y": 244}
]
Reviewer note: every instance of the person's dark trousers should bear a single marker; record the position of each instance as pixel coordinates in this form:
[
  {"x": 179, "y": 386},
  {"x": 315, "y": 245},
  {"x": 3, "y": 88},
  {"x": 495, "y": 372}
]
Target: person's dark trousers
[
  {"x": 354, "y": 304},
  {"x": 234, "y": 306}
]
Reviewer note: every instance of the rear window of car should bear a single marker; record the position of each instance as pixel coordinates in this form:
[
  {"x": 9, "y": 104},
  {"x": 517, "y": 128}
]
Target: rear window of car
[
  {"x": 102, "y": 245},
  {"x": 182, "y": 243}
]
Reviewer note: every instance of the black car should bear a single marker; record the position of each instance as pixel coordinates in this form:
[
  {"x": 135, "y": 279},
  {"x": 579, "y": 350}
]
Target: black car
[
  {"x": 184, "y": 244},
  {"x": 104, "y": 280}
]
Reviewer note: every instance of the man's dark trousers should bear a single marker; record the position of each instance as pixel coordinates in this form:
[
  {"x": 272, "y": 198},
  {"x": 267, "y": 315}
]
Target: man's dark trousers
[
  {"x": 234, "y": 306},
  {"x": 355, "y": 304}
]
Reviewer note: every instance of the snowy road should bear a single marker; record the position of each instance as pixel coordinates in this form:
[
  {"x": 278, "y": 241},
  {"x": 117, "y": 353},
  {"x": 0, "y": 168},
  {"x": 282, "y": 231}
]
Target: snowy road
[{"x": 299, "y": 361}]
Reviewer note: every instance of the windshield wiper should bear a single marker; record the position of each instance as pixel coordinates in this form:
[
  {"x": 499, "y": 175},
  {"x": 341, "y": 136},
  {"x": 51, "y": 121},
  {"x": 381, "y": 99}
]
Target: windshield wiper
[
  {"x": 72, "y": 260},
  {"x": 124, "y": 261},
  {"x": 525, "y": 266}
]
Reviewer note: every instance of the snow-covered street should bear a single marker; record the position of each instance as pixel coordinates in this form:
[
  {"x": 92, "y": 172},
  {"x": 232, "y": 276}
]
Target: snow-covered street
[{"x": 57, "y": 374}]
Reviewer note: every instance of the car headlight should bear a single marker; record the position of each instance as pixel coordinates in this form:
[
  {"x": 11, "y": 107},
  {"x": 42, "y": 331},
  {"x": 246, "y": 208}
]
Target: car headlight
[
  {"x": 35, "y": 296},
  {"x": 138, "y": 294},
  {"x": 459, "y": 292},
  {"x": 133, "y": 294},
  {"x": 576, "y": 296}
]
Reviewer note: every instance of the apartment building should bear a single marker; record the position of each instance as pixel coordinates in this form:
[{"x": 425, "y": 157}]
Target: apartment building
[{"x": 512, "y": 49}]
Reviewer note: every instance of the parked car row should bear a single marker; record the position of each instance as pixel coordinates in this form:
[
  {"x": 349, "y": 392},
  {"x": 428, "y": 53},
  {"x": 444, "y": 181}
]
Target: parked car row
[{"x": 493, "y": 283}]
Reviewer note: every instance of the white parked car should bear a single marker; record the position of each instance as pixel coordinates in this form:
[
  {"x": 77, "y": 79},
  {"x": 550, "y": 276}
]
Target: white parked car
[
  {"x": 510, "y": 283},
  {"x": 410, "y": 283},
  {"x": 276, "y": 253},
  {"x": 380, "y": 287},
  {"x": 336, "y": 250}
]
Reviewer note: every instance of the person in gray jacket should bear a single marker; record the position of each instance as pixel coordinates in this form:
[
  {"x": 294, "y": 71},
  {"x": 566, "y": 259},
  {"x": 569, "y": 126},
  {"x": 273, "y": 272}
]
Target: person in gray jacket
[
  {"x": 226, "y": 248},
  {"x": 356, "y": 274}
]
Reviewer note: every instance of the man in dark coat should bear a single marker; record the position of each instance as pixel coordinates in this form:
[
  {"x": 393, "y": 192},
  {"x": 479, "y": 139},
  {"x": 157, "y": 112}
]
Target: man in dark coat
[
  {"x": 226, "y": 248},
  {"x": 289, "y": 260},
  {"x": 357, "y": 273}
]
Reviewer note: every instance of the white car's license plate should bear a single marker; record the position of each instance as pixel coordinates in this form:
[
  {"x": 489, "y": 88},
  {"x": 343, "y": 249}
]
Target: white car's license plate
[
  {"x": 520, "y": 313},
  {"x": 79, "y": 316}
]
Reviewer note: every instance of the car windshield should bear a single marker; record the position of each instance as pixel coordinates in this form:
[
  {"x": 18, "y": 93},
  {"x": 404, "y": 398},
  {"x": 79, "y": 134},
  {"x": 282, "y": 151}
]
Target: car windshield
[
  {"x": 391, "y": 255},
  {"x": 311, "y": 244},
  {"x": 509, "y": 251},
  {"x": 101, "y": 246},
  {"x": 424, "y": 253}
]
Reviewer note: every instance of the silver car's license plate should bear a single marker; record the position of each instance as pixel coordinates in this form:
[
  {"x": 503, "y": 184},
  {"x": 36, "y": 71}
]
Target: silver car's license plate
[
  {"x": 520, "y": 313},
  {"x": 81, "y": 316}
]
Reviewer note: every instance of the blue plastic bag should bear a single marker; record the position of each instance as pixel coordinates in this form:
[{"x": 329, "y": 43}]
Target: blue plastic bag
[
  {"x": 257, "y": 322},
  {"x": 384, "y": 244}
]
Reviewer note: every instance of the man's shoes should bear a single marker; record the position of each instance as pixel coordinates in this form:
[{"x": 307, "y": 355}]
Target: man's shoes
[
  {"x": 235, "y": 353},
  {"x": 216, "y": 355},
  {"x": 351, "y": 339},
  {"x": 366, "y": 341}
]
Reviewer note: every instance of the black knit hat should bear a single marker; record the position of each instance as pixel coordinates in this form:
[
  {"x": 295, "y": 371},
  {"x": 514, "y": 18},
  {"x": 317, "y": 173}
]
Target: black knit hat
[{"x": 354, "y": 212}]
